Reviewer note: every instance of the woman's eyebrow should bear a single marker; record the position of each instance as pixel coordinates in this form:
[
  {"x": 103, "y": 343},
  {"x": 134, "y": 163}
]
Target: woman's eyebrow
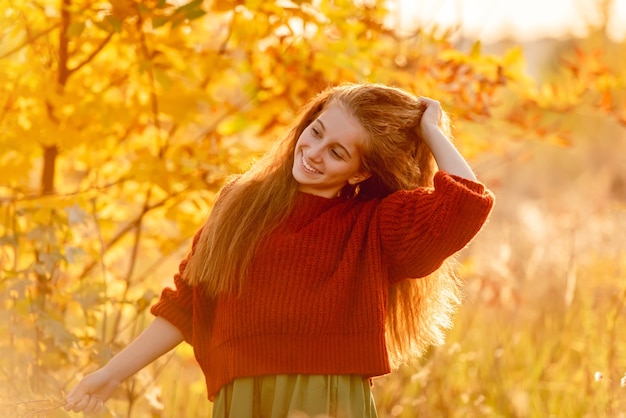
[{"x": 321, "y": 123}]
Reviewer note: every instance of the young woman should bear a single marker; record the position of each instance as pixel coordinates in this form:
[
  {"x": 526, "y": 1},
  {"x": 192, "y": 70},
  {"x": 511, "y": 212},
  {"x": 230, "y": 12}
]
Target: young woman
[{"x": 323, "y": 266}]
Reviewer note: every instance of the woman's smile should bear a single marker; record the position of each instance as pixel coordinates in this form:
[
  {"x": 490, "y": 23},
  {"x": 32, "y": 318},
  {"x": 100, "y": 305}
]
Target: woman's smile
[{"x": 308, "y": 167}]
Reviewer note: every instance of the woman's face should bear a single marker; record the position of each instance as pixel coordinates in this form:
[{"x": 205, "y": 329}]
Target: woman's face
[{"x": 328, "y": 153}]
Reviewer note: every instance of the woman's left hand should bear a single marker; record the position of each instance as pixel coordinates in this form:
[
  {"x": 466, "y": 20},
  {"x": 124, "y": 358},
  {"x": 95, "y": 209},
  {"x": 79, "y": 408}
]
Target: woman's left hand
[
  {"x": 431, "y": 118},
  {"x": 431, "y": 130}
]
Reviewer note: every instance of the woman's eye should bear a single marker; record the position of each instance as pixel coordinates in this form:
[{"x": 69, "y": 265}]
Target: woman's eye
[
  {"x": 315, "y": 131},
  {"x": 336, "y": 154}
]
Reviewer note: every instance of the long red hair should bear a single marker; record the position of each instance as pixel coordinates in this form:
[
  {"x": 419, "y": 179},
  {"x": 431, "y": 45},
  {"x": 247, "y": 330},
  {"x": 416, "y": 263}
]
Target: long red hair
[{"x": 397, "y": 158}]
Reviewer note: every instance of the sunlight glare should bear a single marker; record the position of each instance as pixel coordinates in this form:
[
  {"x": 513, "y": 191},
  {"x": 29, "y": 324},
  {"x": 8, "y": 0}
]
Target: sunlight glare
[{"x": 492, "y": 20}]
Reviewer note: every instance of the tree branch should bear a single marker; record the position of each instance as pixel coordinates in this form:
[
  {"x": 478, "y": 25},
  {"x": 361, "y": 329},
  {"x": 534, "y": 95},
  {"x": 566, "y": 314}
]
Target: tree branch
[
  {"x": 154, "y": 99},
  {"x": 129, "y": 227},
  {"x": 30, "y": 40},
  {"x": 50, "y": 154},
  {"x": 92, "y": 55}
]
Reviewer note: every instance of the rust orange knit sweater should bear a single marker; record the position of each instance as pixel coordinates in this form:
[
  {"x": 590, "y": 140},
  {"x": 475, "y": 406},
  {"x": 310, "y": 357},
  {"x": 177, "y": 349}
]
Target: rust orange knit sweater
[{"x": 316, "y": 297}]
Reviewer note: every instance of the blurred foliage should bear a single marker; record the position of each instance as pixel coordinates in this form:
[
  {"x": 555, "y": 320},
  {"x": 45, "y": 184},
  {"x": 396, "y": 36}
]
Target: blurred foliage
[{"x": 120, "y": 119}]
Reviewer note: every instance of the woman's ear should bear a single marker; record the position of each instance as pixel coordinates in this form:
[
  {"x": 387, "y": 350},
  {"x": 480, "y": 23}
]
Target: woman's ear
[{"x": 359, "y": 177}]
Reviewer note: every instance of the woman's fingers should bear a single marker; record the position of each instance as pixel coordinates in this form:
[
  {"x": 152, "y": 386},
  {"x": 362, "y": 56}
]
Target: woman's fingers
[
  {"x": 77, "y": 404},
  {"x": 73, "y": 394},
  {"x": 76, "y": 399},
  {"x": 432, "y": 113},
  {"x": 88, "y": 404},
  {"x": 428, "y": 100},
  {"x": 432, "y": 105},
  {"x": 94, "y": 406}
]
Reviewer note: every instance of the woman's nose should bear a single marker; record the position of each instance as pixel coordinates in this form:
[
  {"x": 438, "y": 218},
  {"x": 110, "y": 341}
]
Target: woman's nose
[{"x": 315, "y": 152}]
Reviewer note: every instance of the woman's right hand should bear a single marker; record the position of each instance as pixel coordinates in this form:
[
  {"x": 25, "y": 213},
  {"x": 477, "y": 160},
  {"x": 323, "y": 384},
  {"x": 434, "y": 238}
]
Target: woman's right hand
[{"x": 91, "y": 392}]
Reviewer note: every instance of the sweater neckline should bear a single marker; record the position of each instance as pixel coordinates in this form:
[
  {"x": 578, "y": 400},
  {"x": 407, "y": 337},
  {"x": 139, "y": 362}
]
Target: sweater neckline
[
  {"x": 308, "y": 206},
  {"x": 309, "y": 198}
]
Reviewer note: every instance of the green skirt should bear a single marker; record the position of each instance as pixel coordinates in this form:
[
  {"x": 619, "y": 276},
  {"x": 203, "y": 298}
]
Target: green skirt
[{"x": 296, "y": 396}]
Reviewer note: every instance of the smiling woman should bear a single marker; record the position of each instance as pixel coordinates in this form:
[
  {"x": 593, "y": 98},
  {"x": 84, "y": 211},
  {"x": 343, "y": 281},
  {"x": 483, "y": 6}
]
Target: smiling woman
[
  {"x": 328, "y": 153},
  {"x": 323, "y": 266},
  {"x": 493, "y": 20}
]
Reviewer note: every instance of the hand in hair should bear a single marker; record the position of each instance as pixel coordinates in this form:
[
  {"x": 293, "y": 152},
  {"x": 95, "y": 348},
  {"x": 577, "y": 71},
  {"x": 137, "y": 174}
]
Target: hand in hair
[
  {"x": 432, "y": 115},
  {"x": 446, "y": 155}
]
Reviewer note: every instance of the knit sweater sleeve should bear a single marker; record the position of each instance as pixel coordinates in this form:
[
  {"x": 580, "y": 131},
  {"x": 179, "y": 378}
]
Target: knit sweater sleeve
[
  {"x": 421, "y": 228},
  {"x": 176, "y": 304}
]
